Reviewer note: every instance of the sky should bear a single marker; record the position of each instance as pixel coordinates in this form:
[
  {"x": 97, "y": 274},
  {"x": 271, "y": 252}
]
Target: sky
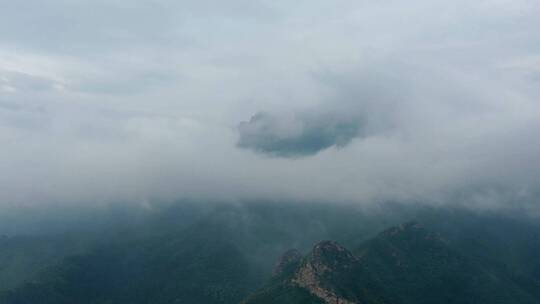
[{"x": 339, "y": 101}]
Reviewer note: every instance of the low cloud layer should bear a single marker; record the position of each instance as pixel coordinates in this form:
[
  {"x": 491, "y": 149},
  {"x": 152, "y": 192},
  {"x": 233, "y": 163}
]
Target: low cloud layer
[{"x": 341, "y": 101}]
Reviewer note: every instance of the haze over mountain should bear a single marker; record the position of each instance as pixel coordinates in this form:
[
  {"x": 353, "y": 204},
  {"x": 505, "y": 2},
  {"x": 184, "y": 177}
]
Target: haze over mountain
[
  {"x": 160, "y": 151},
  {"x": 241, "y": 254}
]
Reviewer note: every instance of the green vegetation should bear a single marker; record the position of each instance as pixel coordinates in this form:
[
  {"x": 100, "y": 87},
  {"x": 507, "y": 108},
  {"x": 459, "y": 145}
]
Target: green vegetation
[
  {"x": 225, "y": 254},
  {"x": 405, "y": 265}
]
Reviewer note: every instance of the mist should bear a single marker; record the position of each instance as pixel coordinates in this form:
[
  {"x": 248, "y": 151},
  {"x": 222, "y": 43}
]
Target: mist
[{"x": 312, "y": 101}]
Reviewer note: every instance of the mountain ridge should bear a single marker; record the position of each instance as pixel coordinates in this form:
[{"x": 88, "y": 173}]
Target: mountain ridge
[
  {"x": 403, "y": 264},
  {"x": 225, "y": 256}
]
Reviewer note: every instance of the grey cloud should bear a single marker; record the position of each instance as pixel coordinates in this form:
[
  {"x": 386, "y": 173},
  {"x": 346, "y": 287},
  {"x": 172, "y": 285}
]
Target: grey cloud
[
  {"x": 301, "y": 136},
  {"x": 387, "y": 108},
  {"x": 359, "y": 103}
]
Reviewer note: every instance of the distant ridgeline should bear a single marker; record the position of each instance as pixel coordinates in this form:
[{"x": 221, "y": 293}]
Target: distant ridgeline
[{"x": 226, "y": 256}]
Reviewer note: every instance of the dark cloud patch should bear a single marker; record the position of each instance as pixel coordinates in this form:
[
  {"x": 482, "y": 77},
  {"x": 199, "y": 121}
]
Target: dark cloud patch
[{"x": 298, "y": 136}]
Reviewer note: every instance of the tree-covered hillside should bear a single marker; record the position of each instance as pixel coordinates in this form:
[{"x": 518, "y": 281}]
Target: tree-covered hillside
[{"x": 223, "y": 253}]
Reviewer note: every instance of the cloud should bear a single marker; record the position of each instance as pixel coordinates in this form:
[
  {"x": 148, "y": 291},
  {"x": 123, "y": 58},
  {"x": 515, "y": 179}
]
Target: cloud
[
  {"x": 355, "y": 101},
  {"x": 298, "y": 136},
  {"x": 358, "y": 102}
]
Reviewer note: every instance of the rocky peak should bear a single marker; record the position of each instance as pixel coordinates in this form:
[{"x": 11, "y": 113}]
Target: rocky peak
[
  {"x": 327, "y": 259},
  {"x": 287, "y": 262}
]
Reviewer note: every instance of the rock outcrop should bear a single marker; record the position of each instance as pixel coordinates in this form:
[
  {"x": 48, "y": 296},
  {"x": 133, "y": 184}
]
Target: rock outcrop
[{"x": 317, "y": 274}]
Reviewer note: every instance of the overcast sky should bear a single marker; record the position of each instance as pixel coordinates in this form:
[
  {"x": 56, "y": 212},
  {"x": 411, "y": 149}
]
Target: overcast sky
[{"x": 347, "y": 101}]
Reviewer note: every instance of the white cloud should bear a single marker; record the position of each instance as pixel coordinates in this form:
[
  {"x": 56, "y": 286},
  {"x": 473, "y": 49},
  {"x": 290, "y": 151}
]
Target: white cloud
[{"x": 115, "y": 100}]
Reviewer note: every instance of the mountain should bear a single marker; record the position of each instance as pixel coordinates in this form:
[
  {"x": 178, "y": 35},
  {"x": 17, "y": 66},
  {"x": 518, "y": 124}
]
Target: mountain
[
  {"x": 226, "y": 254},
  {"x": 199, "y": 266},
  {"x": 404, "y": 264},
  {"x": 23, "y": 257}
]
